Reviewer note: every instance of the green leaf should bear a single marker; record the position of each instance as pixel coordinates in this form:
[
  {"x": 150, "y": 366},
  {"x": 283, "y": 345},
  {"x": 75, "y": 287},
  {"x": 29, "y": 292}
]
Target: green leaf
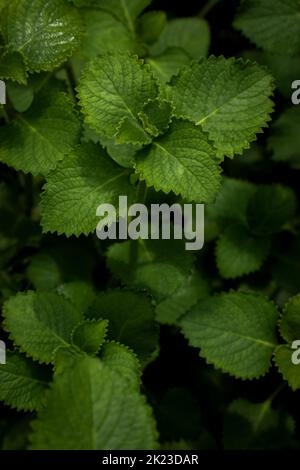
[
  {"x": 39, "y": 323},
  {"x": 167, "y": 64},
  {"x": 12, "y": 67},
  {"x": 130, "y": 132},
  {"x": 150, "y": 26},
  {"x": 284, "y": 140},
  {"x": 126, "y": 11},
  {"x": 256, "y": 426},
  {"x": 53, "y": 30},
  {"x": 290, "y": 320},
  {"x": 228, "y": 98},
  {"x": 23, "y": 383},
  {"x": 122, "y": 360},
  {"x": 231, "y": 202},
  {"x": 114, "y": 88},
  {"x": 104, "y": 413},
  {"x": 80, "y": 293},
  {"x": 37, "y": 140},
  {"x": 236, "y": 332},
  {"x": 182, "y": 161},
  {"x": 190, "y": 34},
  {"x": 193, "y": 288},
  {"x": 155, "y": 260},
  {"x": 273, "y": 25},
  {"x": 90, "y": 335},
  {"x": 156, "y": 116},
  {"x": 131, "y": 320},
  {"x": 270, "y": 208},
  {"x": 20, "y": 96},
  {"x": 83, "y": 181},
  {"x": 289, "y": 371},
  {"x": 103, "y": 33},
  {"x": 239, "y": 253}
]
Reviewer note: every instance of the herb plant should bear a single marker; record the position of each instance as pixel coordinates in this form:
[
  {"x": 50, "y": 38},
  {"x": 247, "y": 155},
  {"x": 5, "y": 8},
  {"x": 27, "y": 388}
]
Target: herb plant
[{"x": 139, "y": 344}]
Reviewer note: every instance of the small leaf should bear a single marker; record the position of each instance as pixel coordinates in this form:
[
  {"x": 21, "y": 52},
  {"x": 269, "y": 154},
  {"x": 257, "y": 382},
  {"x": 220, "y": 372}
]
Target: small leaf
[
  {"x": 83, "y": 181},
  {"x": 12, "y": 67},
  {"x": 53, "y": 30},
  {"x": 156, "y": 116},
  {"x": 261, "y": 21},
  {"x": 228, "y": 98},
  {"x": 90, "y": 335},
  {"x": 37, "y": 140},
  {"x": 236, "y": 332},
  {"x": 23, "y": 383},
  {"x": 190, "y": 34},
  {"x": 104, "y": 413},
  {"x": 239, "y": 253},
  {"x": 182, "y": 161},
  {"x": 40, "y": 323}
]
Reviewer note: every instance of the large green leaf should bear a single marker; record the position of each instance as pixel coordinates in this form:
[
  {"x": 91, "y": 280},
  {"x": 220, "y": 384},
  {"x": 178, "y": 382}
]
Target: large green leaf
[
  {"x": 81, "y": 182},
  {"x": 38, "y": 139},
  {"x": 228, "y": 98},
  {"x": 45, "y": 32},
  {"x": 273, "y": 25},
  {"x": 236, "y": 332},
  {"x": 113, "y": 91},
  {"x": 39, "y": 323},
  {"x": 182, "y": 161},
  {"x": 105, "y": 412}
]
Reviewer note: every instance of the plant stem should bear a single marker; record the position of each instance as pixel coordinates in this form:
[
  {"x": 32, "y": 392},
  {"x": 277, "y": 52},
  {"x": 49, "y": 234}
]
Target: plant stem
[
  {"x": 209, "y": 6},
  {"x": 71, "y": 79}
]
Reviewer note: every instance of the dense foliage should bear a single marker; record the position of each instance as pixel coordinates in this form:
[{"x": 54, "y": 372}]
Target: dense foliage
[{"x": 139, "y": 344}]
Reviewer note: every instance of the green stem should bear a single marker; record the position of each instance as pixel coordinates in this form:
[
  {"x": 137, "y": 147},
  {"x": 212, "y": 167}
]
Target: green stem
[
  {"x": 71, "y": 79},
  {"x": 209, "y": 6}
]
